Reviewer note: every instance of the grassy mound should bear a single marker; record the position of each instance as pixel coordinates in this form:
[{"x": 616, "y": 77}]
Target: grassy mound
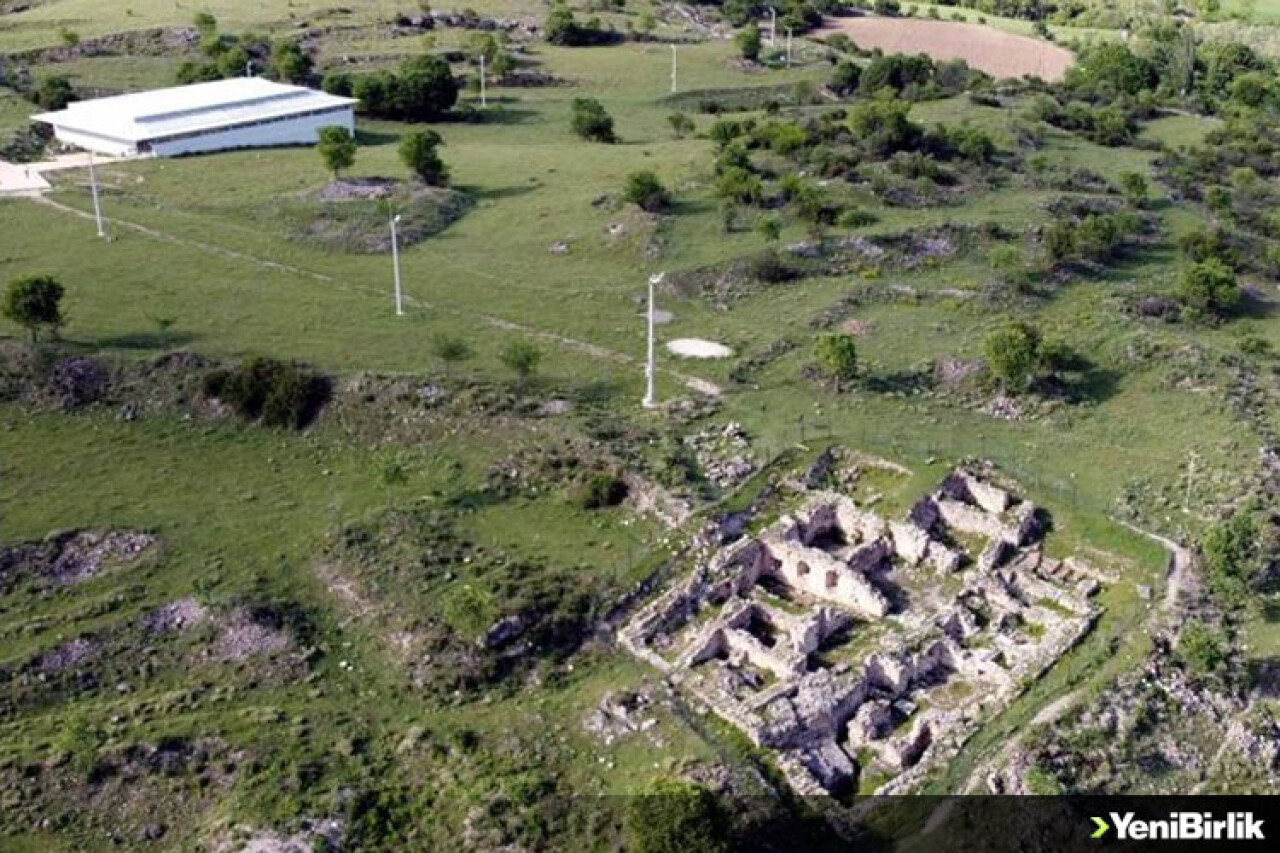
[{"x": 351, "y": 216}]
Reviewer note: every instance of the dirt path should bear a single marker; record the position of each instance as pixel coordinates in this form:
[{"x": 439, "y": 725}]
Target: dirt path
[{"x": 694, "y": 383}]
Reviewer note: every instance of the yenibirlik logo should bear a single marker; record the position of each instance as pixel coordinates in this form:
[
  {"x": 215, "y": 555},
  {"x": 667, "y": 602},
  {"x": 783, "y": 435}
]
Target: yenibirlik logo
[{"x": 1182, "y": 826}]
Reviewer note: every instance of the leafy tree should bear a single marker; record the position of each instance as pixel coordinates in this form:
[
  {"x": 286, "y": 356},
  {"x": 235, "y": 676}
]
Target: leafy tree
[
  {"x": 1231, "y": 554},
  {"x": 1013, "y": 354},
  {"x": 521, "y": 358},
  {"x": 1134, "y": 187},
  {"x": 418, "y": 152},
  {"x": 1201, "y": 647},
  {"x": 337, "y": 149},
  {"x": 1209, "y": 286},
  {"x": 1112, "y": 65},
  {"x": 451, "y": 350},
  {"x": 681, "y": 125},
  {"x": 205, "y": 23},
  {"x": 837, "y": 356},
  {"x": 644, "y": 190},
  {"x": 54, "y": 93},
  {"x": 281, "y": 394},
  {"x": 884, "y": 128},
  {"x": 770, "y": 229},
  {"x": 427, "y": 88},
  {"x": 289, "y": 62},
  {"x": 676, "y": 817},
  {"x": 1011, "y": 265},
  {"x": 749, "y": 42},
  {"x": 35, "y": 303},
  {"x": 740, "y": 185},
  {"x": 846, "y": 78},
  {"x": 591, "y": 122},
  {"x": 561, "y": 27},
  {"x": 896, "y": 72}
]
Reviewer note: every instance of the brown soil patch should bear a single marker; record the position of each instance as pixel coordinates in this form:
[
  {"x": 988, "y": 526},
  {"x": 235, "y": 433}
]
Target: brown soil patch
[{"x": 998, "y": 53}]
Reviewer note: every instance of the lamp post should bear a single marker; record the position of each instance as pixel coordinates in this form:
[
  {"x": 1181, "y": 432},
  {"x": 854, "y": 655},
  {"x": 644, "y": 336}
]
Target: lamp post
[
  {"x": 673, "y": 69},
  {"x": 93, "y": 188},
  {"x": 395, "y": 263},
  {"x": 650, "y": 368},
  {"x": 484, "y": 100},
  {"x": 773, "y": 27},
  {"x": 788, "y": 47}
]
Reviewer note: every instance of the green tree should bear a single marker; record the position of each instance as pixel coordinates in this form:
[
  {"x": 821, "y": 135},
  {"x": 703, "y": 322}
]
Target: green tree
[
  {"x": 451, "y": 350},
  {"x": 521, "y": 358},
  {"x": 1011, "y": 265},
  {"x": 337, "y": 149},
  {"x": 749, "y": 42},
  {"x": 426, "y": 88},
  {"x": 1209, "y": 287},
  {"x": 681, "y": 125},
  {"x": 770, "y": 229},
  {"x": 1230, "y": 552},
  {"x": 1134, "y": 187},
  {"x": 644, "y": 190},
  {"x": 675, "y": 817},
  {"x": 54, "y": 93},
  {"x": 837, "y": 356},
  {"x": 418, "y": 152},
  {"x": 1201, "y": 647},
  {"x": 1013, "y": 354},
  {"x": 289, "y": 62},
  {"x": 205, "y": 23},
  {"x": 591, "y": 122},
  {"x": 560, "y": 26},
  {"x": 35, "y": 303}
]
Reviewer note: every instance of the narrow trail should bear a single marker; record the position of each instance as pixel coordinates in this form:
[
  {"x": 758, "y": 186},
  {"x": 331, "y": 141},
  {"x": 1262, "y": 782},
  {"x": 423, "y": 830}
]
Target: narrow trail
[{"x": 694, "y": 383}]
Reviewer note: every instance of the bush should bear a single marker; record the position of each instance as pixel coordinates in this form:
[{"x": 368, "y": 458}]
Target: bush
[
  {"x": 749, "y": 42},
  {"x": 1231, "y": 557},
  {"x": 521, "y": 358},
  {"x": 54, "y": 93},
  {"x": 34, "y": 302},
  {"x": 769, "y": 267},
  {"x": 423, "y": 89},
  {"x": 591, "y": 122},
  {"x": 1013, "y": 354},
  {"x": 846, "y": 78},
  {"x": 1209, "y": 287},
  {"x": 599, "y": 491},
  {"x": 1201, "y": 648},
  {"x": 837, "y": 356},
  {"x": 280, "y": 394},
  {"x": 675, "y": 817},
  {"x": 418, "y": 152},
  {"x": 644, "y": 190},
  {"x": 337, "y": 148}
]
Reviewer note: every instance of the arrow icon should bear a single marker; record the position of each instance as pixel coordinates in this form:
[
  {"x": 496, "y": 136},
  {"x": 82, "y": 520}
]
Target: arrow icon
[{"x": 1103, "y": 826}]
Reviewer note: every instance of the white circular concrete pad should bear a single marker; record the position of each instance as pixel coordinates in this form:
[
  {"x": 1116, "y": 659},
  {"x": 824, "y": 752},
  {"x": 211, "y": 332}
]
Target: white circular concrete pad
[{"x": 698, "y": 348}]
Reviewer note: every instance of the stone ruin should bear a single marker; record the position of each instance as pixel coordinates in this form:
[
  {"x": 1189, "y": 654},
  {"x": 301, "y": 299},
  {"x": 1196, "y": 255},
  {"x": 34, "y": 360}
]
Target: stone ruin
[{"x": 863, "y": 650}]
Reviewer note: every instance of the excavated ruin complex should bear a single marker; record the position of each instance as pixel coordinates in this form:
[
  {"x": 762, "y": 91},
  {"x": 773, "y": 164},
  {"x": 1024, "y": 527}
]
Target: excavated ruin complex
[{"x": 858, "y": 647}]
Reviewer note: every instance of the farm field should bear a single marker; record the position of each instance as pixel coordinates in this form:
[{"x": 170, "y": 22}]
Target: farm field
[
  {"x": 998, "y": 54},
  {"x": 388, "y": 621}
]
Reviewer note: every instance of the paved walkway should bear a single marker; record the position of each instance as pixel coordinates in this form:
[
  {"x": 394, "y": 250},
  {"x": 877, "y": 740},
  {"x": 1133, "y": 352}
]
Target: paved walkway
[{"x": 27, "y": 179}]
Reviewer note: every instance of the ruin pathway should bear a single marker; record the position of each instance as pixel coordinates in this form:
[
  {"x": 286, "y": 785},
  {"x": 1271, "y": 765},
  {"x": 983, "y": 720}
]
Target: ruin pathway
[{"x": 694, "y": 383}]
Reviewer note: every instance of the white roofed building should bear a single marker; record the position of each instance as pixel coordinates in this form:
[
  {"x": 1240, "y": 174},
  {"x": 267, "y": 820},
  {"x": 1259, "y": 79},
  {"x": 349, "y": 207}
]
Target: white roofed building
[{"x": 244, "y": 112}]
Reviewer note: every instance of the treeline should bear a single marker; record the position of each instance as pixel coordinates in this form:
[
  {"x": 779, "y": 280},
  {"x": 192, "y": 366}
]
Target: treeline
[
  {"x": 228, "y": 55},
  {"x": 422, "y": 89}
]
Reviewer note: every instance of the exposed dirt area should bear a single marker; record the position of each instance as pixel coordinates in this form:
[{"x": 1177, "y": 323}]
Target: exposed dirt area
[{"x": 997, "y": 53}]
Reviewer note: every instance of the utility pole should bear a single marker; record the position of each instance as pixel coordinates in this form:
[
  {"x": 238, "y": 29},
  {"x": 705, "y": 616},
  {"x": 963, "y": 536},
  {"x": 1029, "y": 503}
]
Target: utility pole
[
  {"x": 395, "y": 262},
  {"x": 650, "y": 368},
  {"x": 788, "y": 47},
  {"x": 773, "y": 27},
  {"x": 674, "y": 69},
  {"x": 484, "y": 101},
  {"x": 93, "y": 188}
]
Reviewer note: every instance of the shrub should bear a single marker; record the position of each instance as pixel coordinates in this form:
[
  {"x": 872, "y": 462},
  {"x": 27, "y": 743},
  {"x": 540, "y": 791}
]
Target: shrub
[
  {"x": 418, "y": 152},
  {"x": 1013, "y": 354},
  {"x": 769, "y": 267},
  {"x": 681, "y": 125},
  {"x": 280, "y": 394},
  {"x": 749, "y": 43},
  {"x": 837, "y": 356},
  {"x": 35, "y": 303},
  {"x": 1231, "y": 556},
  {"x": 846, "y": 78},
  {"x": 884, "y": 128},
  {"x": 675, "y": 816},
  {"x": 591, "y": 122},
  {"x": 739, "y": 185},
  {"x": 1201, "y": 648},
  {"x": 1209, "y": 287},
  {"x": 337, "y": 148},
  {"x": 54, "y": 93},
  {"x": 599, "y": 491},
  {"x": 1133, "y": 185},
  {"x": 521, "y": 358},
  {"x": 644, "y": 190}
]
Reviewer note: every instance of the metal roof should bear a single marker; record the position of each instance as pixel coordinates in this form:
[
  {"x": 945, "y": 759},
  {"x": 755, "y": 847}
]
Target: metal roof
[{"x": 162, "y": 113}]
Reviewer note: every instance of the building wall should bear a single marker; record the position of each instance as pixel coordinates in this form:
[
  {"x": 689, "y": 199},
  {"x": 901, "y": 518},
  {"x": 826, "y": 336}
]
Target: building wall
[
  {"x": 303, "y": 130},
  {"x": 95, "y": 143}
]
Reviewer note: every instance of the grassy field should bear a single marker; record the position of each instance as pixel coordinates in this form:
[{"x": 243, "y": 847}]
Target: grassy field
[{"x": 197, "y": 260}]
